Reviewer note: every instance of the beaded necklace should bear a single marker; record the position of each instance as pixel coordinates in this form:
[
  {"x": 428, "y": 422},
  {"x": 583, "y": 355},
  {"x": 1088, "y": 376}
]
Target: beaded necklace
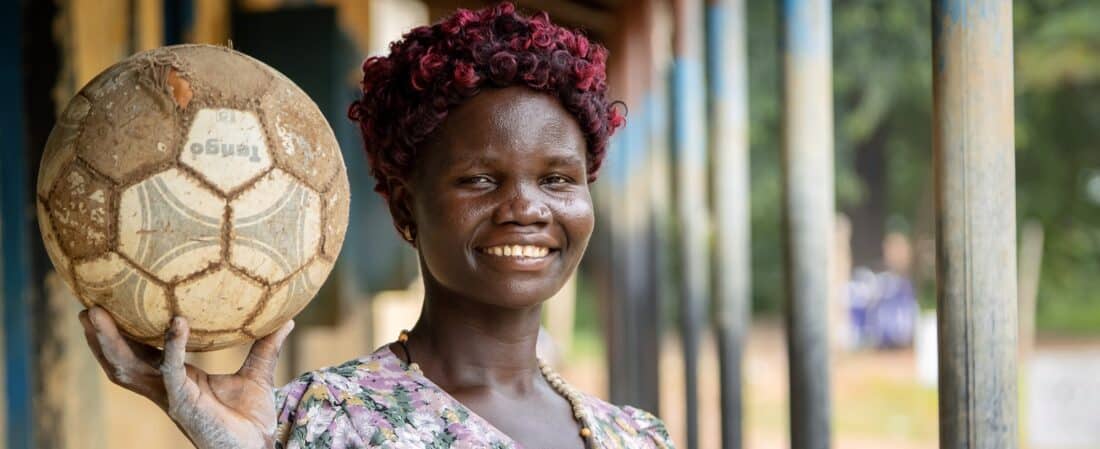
[{"x": 553, "y": 378}]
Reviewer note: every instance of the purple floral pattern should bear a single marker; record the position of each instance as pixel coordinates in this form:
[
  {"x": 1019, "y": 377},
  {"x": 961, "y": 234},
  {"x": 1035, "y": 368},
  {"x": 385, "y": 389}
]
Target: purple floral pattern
[{"x": 374, "y": 402}]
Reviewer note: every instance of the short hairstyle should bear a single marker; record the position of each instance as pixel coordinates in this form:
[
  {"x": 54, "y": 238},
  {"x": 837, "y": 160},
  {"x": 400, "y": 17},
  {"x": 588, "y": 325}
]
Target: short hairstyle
[{"x": 407, "y": 94}]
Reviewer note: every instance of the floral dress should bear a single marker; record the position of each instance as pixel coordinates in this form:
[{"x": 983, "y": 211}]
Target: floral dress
[{"x": 375, "y": 402}]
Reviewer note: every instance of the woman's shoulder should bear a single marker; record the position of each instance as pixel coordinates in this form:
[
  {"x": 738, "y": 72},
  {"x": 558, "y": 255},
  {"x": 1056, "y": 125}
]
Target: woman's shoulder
[
  {"x": 336, "y": 404},
  {"x": 328, "y": 383},
  {"x": 627, "y": 423}
]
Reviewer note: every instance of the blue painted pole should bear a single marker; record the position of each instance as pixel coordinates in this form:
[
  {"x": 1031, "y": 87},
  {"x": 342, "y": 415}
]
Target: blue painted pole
[
  {"x": 689, "y": 147},
  {"x": 808, "y": 196},
  {"x": 974, "y": 150},
  {"x": 727, "y": 83},
  {"x": 15, "y": 223}
]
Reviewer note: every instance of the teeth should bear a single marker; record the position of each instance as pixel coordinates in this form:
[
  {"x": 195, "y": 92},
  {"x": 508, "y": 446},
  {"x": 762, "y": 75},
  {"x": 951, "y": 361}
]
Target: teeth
[{"x": 518, "y": 251}]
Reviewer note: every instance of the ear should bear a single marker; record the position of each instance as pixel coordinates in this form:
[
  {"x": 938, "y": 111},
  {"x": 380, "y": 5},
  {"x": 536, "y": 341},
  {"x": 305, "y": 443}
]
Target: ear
[{"x": 400, "y": 202}]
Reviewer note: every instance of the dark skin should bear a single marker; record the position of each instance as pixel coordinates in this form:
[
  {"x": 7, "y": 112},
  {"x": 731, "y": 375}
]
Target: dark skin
[{"x": 505, "y": 168}]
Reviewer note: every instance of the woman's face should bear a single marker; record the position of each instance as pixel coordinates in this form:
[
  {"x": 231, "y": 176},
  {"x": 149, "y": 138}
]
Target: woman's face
[{"x": 499, "y": 198}]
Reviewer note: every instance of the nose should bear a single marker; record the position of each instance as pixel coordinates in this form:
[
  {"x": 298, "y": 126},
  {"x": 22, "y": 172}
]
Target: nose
[{"x": 522, "y": 206}]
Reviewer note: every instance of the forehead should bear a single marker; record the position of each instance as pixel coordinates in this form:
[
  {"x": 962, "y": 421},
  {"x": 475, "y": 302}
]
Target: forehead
[{"x": 514, "y": 121}]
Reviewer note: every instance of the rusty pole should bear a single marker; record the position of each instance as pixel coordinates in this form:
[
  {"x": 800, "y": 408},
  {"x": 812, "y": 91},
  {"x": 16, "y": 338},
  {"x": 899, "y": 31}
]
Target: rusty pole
[
  {"x": 974, "y": 154},
  {"x": 727, "y": 83},
  {"x": 690, "y": 153},
  {"x": 808, "y": 195}
]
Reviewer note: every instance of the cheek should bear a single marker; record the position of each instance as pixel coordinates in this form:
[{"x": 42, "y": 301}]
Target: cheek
[{"x": 578, "y": 218}]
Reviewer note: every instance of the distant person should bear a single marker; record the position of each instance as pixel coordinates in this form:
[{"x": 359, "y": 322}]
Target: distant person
[
  {"x": 883, "y": 306},
  {"x": 483, "y": 132}
]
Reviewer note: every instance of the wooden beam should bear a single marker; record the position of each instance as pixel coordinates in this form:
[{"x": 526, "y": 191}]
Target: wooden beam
[
  {"x": 808, "y": 212},
  {"x": 689, "y": 139},
  {"x": 974, "y": 160},
  {"x": 727, "y": 85}
]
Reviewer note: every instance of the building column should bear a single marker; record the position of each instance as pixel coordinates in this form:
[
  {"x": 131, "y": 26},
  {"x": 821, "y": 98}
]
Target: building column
[
  {"x": 974, "y": 151},
  {"x": 809, "y": 203}
]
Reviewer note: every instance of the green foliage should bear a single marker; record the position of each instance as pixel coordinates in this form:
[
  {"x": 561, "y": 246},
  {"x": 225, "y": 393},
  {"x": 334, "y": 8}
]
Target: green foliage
[
  {"x": 882, "y": 84},
  {"x": 1058, "y": 154}
]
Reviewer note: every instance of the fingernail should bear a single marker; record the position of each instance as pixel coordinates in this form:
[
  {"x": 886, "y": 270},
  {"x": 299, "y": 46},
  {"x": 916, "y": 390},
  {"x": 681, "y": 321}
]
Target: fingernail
[
  {"x": 93, "y": 316},
  {"x": 177, "y": 322}
]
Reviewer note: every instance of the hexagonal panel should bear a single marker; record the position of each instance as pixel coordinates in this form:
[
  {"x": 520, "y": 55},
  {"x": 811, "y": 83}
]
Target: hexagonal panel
[
  {"x": 337, "y": 201},
  {"x": 61, "y": 145},
  {"x": 276, "y": 227},
  {"x": 219, "y": 300},
  {"x": 137, "y": 303},
  {"x": 227, "y": 147},
  {"x": 130, "y": 126},
  {"x": 223, "y": 75},
  {"x": 80, "y": 206},
  {"x": 170, "y": 225},
  {"x": 304, "y": 143},
  {"x": 60, "y": 261},
  {"x": 290, "y": 297}
]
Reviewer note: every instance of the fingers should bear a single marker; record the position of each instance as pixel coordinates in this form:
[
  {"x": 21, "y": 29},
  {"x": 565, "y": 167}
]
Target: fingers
[
  {"x": 261, "y": 361},
  {"x": 93, "y": 342},
  {"x": 109, "y": 346},
  {"x": 177, "y": 385}
]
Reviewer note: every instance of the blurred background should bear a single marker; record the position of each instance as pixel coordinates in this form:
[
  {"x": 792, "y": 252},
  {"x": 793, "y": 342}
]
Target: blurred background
[{"x": 616, "y": 330}]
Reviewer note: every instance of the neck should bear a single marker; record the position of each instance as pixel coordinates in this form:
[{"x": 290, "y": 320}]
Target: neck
[{"x": 466, "y": 344}]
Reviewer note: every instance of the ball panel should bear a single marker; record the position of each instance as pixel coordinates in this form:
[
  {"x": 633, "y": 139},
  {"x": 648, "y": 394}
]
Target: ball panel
[
  {"x": 61, "y": 145},
  {"x": 80, "y": 206},
  {"x": 226, "y": 147},
  {"x": 290, "y": 297},
  {"x": 276, "y": 227},
  {"x": 138, "y": 304},
  {"x": 337, "y": 202},
  {"x": 304, "y": 142},
  {"x": 60, "y": 261},
  {"x": 212, "y": 69},
  {"x": 218, "y": 301},
  {"x": 170, "y": 225},
  {"x": 132, "y": 128},
  {"x": 107, "y": 81},
  {"x": 202, "y": 341}
]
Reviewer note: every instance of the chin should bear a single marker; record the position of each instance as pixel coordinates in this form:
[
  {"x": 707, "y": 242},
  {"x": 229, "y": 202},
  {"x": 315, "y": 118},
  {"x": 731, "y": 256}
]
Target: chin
[{"x": 517, "y": 295}]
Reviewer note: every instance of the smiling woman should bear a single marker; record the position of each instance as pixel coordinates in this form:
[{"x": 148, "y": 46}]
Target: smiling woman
[{"x": 483, "y": 132}]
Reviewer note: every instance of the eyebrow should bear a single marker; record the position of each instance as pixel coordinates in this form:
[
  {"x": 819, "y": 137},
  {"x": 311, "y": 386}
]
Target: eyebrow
[
  {"x": 569, "y": 160},
  {"x": 483, "y": 160}
]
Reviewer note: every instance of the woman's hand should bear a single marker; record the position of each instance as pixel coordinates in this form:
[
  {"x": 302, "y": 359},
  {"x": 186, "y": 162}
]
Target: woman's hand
[{"x": 215, "y": 411}]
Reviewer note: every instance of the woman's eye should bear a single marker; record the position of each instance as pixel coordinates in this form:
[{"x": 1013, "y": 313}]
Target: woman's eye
[
  {"x": 556, "y": 179},
  {"x": 477, "y": 180}
]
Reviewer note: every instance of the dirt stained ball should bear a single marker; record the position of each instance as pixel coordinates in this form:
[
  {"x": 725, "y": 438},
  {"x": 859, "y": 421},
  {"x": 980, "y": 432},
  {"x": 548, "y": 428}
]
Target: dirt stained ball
[{"x": 193, "y": 180}]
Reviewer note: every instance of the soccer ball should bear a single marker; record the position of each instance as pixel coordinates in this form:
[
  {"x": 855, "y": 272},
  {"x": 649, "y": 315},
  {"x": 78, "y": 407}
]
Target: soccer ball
[{"x": 193, "y": 180}]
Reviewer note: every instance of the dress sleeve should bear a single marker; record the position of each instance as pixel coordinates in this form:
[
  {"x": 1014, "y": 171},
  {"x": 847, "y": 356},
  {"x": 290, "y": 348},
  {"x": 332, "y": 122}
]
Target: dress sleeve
[
  {"x": 310, "y": 415},
  {"x": 651, "y": 430}
]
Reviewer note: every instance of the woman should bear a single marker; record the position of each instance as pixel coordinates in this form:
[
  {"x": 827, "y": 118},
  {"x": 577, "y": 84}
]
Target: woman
[{"x": 483, "y": 132}]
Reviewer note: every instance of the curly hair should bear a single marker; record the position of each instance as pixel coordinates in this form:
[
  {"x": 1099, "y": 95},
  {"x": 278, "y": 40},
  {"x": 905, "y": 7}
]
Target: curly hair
[{"x": 407, "y": 94}]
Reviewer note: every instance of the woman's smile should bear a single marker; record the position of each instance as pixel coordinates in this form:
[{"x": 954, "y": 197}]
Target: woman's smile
[{"x": 517, "y": 257}]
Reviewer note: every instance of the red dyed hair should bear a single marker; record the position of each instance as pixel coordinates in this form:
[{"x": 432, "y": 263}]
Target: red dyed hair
[{"x": 407, "y": 94}]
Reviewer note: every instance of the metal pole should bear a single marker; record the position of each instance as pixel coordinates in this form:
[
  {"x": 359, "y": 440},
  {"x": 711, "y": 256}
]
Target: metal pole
[
  {"x": 808, "y": 193},
  {"x": 974, "y": 155},
  {"x": 729, "y": 146},
  {"x": 690, "y": 152}
]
